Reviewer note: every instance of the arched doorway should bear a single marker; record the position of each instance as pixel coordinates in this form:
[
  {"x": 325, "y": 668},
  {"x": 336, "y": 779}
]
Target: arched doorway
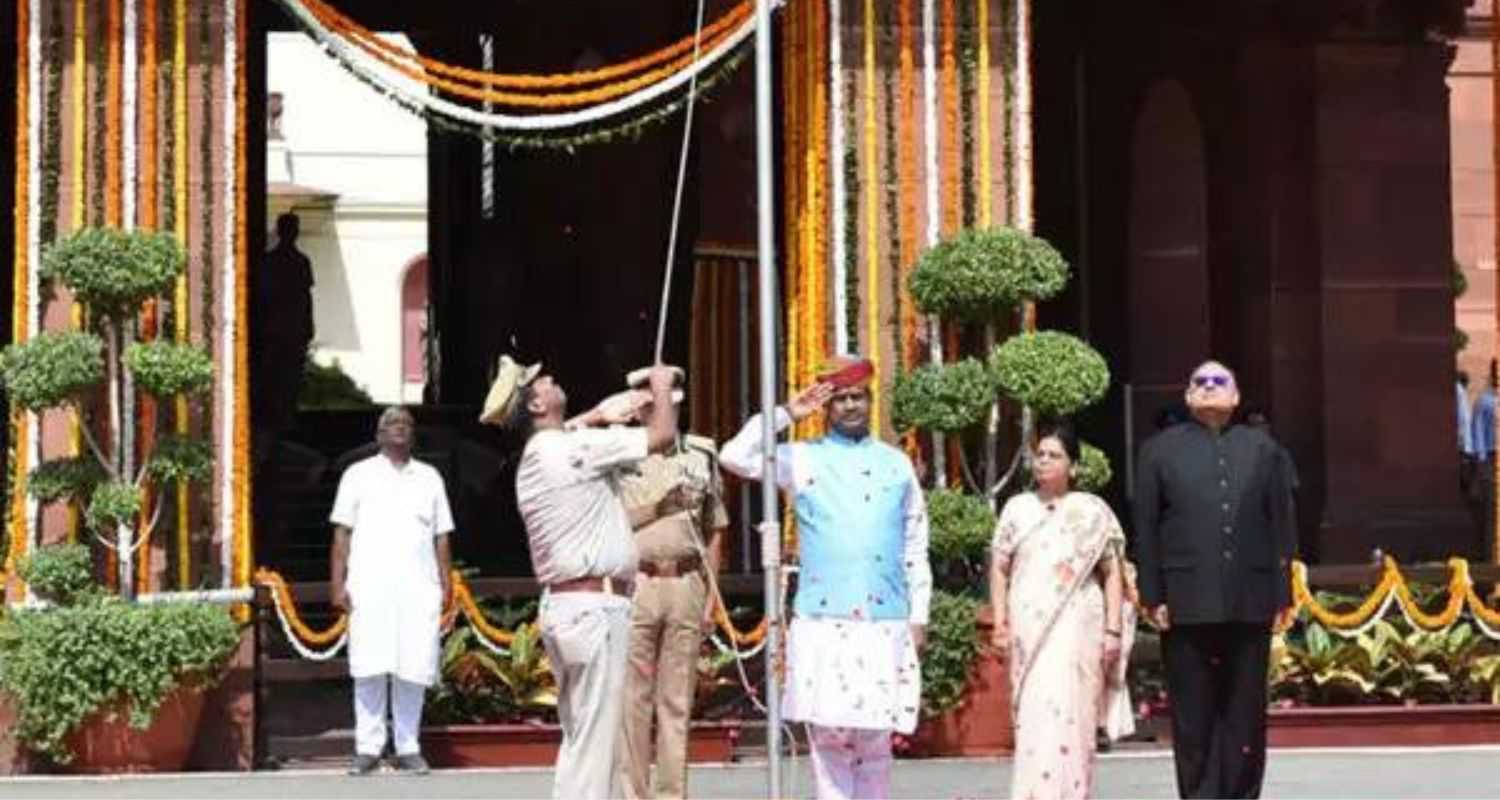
[
  {"x": 1169, "y": 285},
  {"x": 414, "y": 330}
]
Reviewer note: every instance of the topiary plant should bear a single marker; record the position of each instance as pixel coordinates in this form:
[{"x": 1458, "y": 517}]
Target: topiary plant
[
  {"x": 113, "y": 274},
  {"x": 942, "y": 397},
  {"x": 987, "y": 277}
]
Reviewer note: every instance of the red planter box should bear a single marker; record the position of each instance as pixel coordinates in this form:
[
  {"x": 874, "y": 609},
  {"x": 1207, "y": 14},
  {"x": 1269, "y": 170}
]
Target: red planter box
[
  {"x": 981, "y": 724},
  {"x": 521, "y": 745},
  {"x": 1383, "y": 726}
]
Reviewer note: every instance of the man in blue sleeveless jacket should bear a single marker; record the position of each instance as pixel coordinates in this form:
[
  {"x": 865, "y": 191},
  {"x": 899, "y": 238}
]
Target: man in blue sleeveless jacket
[{"x": 860, "y": 613}]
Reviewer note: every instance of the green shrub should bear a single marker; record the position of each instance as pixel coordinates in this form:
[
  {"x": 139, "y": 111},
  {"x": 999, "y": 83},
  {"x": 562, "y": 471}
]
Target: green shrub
[
  {"x": 59, "y": 572},
  {"x": 62, "y": 665},
  {"x": 950, "y": 653},
  {"x": 961, "y": 527},
  {"x": 980, "y": 276},
  {"x": 1054, "y": 373},
  {"x": 113, "y": 504},
  {"x": 178, "y": 458},
  {"x": 942, "y": 397},
  {"x": 1093, "y": 470},
  {"x": 65, "y": 478},
  {"x": 329, "y": 387},
  {"x": 50, "y": 369},
  {"x": 113, "y": 271},
  {"x": 165, "y": 369}
]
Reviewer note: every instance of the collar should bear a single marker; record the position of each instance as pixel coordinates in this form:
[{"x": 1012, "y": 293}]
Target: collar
[{"x": 834, "y": 437}]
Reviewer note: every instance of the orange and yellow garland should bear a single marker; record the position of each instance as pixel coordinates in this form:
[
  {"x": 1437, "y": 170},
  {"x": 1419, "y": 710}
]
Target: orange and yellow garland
[
  {"x": 422, "y": 70},
  {"x": 18, "y": 523},
  {"x": 462, "y": 601}
]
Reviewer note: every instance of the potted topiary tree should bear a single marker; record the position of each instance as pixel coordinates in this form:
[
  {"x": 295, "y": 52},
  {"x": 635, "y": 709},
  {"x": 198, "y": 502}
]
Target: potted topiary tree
[
  {"x": 97, "y": 374},
  {"x": 99, "y": 684},
  {"x": 989, "y": 278}
]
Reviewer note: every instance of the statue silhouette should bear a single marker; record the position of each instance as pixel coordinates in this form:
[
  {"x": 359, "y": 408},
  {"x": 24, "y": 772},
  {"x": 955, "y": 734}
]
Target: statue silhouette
[{"x": 281, "y": 328}]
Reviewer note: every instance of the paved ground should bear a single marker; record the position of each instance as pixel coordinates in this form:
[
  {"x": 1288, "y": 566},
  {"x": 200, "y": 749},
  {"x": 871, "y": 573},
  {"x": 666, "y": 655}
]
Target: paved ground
[{"x": 1372, "y": 773}]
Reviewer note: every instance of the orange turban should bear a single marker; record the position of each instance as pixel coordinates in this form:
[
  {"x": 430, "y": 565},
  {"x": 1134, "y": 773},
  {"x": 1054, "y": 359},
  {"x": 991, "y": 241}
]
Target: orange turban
[{"x": 847, "y": 372}]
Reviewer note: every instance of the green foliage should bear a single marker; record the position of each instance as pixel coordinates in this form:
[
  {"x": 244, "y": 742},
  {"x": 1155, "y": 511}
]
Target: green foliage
[
  {"x": 962, "y": 526},
  {"x": 1460, "y": 280},
  {"x": 1460, "y": 340},
  {"x": 69, "y": 478},
  {"x": 59, "y": 572},
  {"x": 165, "y": 368},
  {"x": 52, "y": 368},
  {"x": 1093, "y": 471},
  {"x": 980, "y": 276},
  {"x": 1053, "y": 373},
  {"x": 1388, "y": 664},
  {"x": 113, "y": 504},
  {"x": 481, "y": 686},
  {"x": 329, "y": 387},
  {"x": 951, "y": 651},
  {"x": 942, "y": 397},
  {"x": 62, "y": 665},
  {"x": 112, "y": 271},
  {"x": 179, "y": 458}
]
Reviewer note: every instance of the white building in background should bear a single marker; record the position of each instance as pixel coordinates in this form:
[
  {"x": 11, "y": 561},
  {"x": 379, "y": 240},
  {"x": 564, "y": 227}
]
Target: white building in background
[{"x": 353, "y": 167}]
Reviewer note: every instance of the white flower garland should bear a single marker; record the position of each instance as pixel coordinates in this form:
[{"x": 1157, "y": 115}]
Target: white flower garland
[
  {"x": 836, "y": 136},
  {"x": 128, "y": 143},
  {"x": 227, "y": 342},
  {"x": 1025, "y": 214},
  {"x": 371, "y": 70},
  {"x": 302, "y": 649},
  {"x": 33, "y": 245}
]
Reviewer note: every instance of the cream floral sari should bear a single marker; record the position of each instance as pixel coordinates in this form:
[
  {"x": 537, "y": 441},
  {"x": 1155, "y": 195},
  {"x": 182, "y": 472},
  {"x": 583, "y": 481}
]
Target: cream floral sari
[{"x": 1054, "y": 556}]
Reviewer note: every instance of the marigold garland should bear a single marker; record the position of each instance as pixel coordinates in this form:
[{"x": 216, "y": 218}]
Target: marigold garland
[
  {"x": 571, "y": 99},
  {"x": 461, "y": 602},
  {"x": 180, "y": 296},
  {"x": 1393, "y": 587},
  {"x": 242, "y": 557},
  {"x": 18, "y": 527},
  {"x": 112, "y": 89},
  {"x": 986, "y": 144},
  {"x": 335, "y": 20},
  {"x": 906, "y": 221},
  {"x": 77, "y": 160}
]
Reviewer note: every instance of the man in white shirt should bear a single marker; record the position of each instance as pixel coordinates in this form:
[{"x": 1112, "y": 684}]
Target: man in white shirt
[
  {"x": 582, "y": 550},
  {"x": 391, "y": 573}
]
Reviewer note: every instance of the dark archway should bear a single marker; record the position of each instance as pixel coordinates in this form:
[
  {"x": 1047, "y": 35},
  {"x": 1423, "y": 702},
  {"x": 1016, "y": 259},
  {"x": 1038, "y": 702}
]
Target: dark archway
[{"x": 1169, "y": 307}]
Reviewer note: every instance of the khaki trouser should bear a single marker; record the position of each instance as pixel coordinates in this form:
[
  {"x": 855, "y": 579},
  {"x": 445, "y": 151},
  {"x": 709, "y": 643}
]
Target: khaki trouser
[
  {"x": 586, "y": 636},
  {"x": 665, "y": 639}
]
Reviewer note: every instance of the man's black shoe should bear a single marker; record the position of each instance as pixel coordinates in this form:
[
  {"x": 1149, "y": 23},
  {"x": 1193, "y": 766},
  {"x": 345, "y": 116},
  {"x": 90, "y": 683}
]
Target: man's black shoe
[
  {"x": 413, "y": 764},
  {"x": 364, "y": 765}
]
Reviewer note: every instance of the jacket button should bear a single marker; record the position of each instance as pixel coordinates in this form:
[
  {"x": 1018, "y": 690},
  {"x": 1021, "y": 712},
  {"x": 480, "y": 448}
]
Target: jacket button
[{"x": 1228, "y": 555}]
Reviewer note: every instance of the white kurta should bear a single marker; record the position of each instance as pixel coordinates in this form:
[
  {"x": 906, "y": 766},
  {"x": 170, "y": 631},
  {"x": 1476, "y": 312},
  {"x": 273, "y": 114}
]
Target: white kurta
[{"x": 395, "y": 513}]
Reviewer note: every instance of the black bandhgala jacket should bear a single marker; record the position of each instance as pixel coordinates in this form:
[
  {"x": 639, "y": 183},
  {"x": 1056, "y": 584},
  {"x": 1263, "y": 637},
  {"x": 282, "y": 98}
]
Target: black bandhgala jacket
[{"x": 1215, "y": 528}]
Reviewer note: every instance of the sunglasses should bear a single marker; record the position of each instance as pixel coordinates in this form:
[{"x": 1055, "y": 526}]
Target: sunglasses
[{"x": 1216, "y": 379}]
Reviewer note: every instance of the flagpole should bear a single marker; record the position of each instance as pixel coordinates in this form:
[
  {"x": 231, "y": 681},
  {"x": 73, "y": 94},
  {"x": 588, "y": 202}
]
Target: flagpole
[{"x": 770, "y": 527}]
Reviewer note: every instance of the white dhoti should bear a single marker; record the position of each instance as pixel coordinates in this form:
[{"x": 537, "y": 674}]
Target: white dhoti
[
  {"x": 587, "y": 638},
  {"x": 854, "y": 682},
  {"x": 371, "y": 696}
]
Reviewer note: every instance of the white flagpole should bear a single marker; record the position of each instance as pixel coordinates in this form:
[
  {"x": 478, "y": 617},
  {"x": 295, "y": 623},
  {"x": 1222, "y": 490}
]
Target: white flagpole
[{"x": 770, "y": 527}]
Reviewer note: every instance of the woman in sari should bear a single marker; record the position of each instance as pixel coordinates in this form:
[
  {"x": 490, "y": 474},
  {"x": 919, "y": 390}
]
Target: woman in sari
[{"x": 1058, "y": 585}]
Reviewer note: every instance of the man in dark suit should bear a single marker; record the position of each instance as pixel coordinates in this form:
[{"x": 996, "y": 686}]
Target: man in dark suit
[{"x": 1214, "y": 537}]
